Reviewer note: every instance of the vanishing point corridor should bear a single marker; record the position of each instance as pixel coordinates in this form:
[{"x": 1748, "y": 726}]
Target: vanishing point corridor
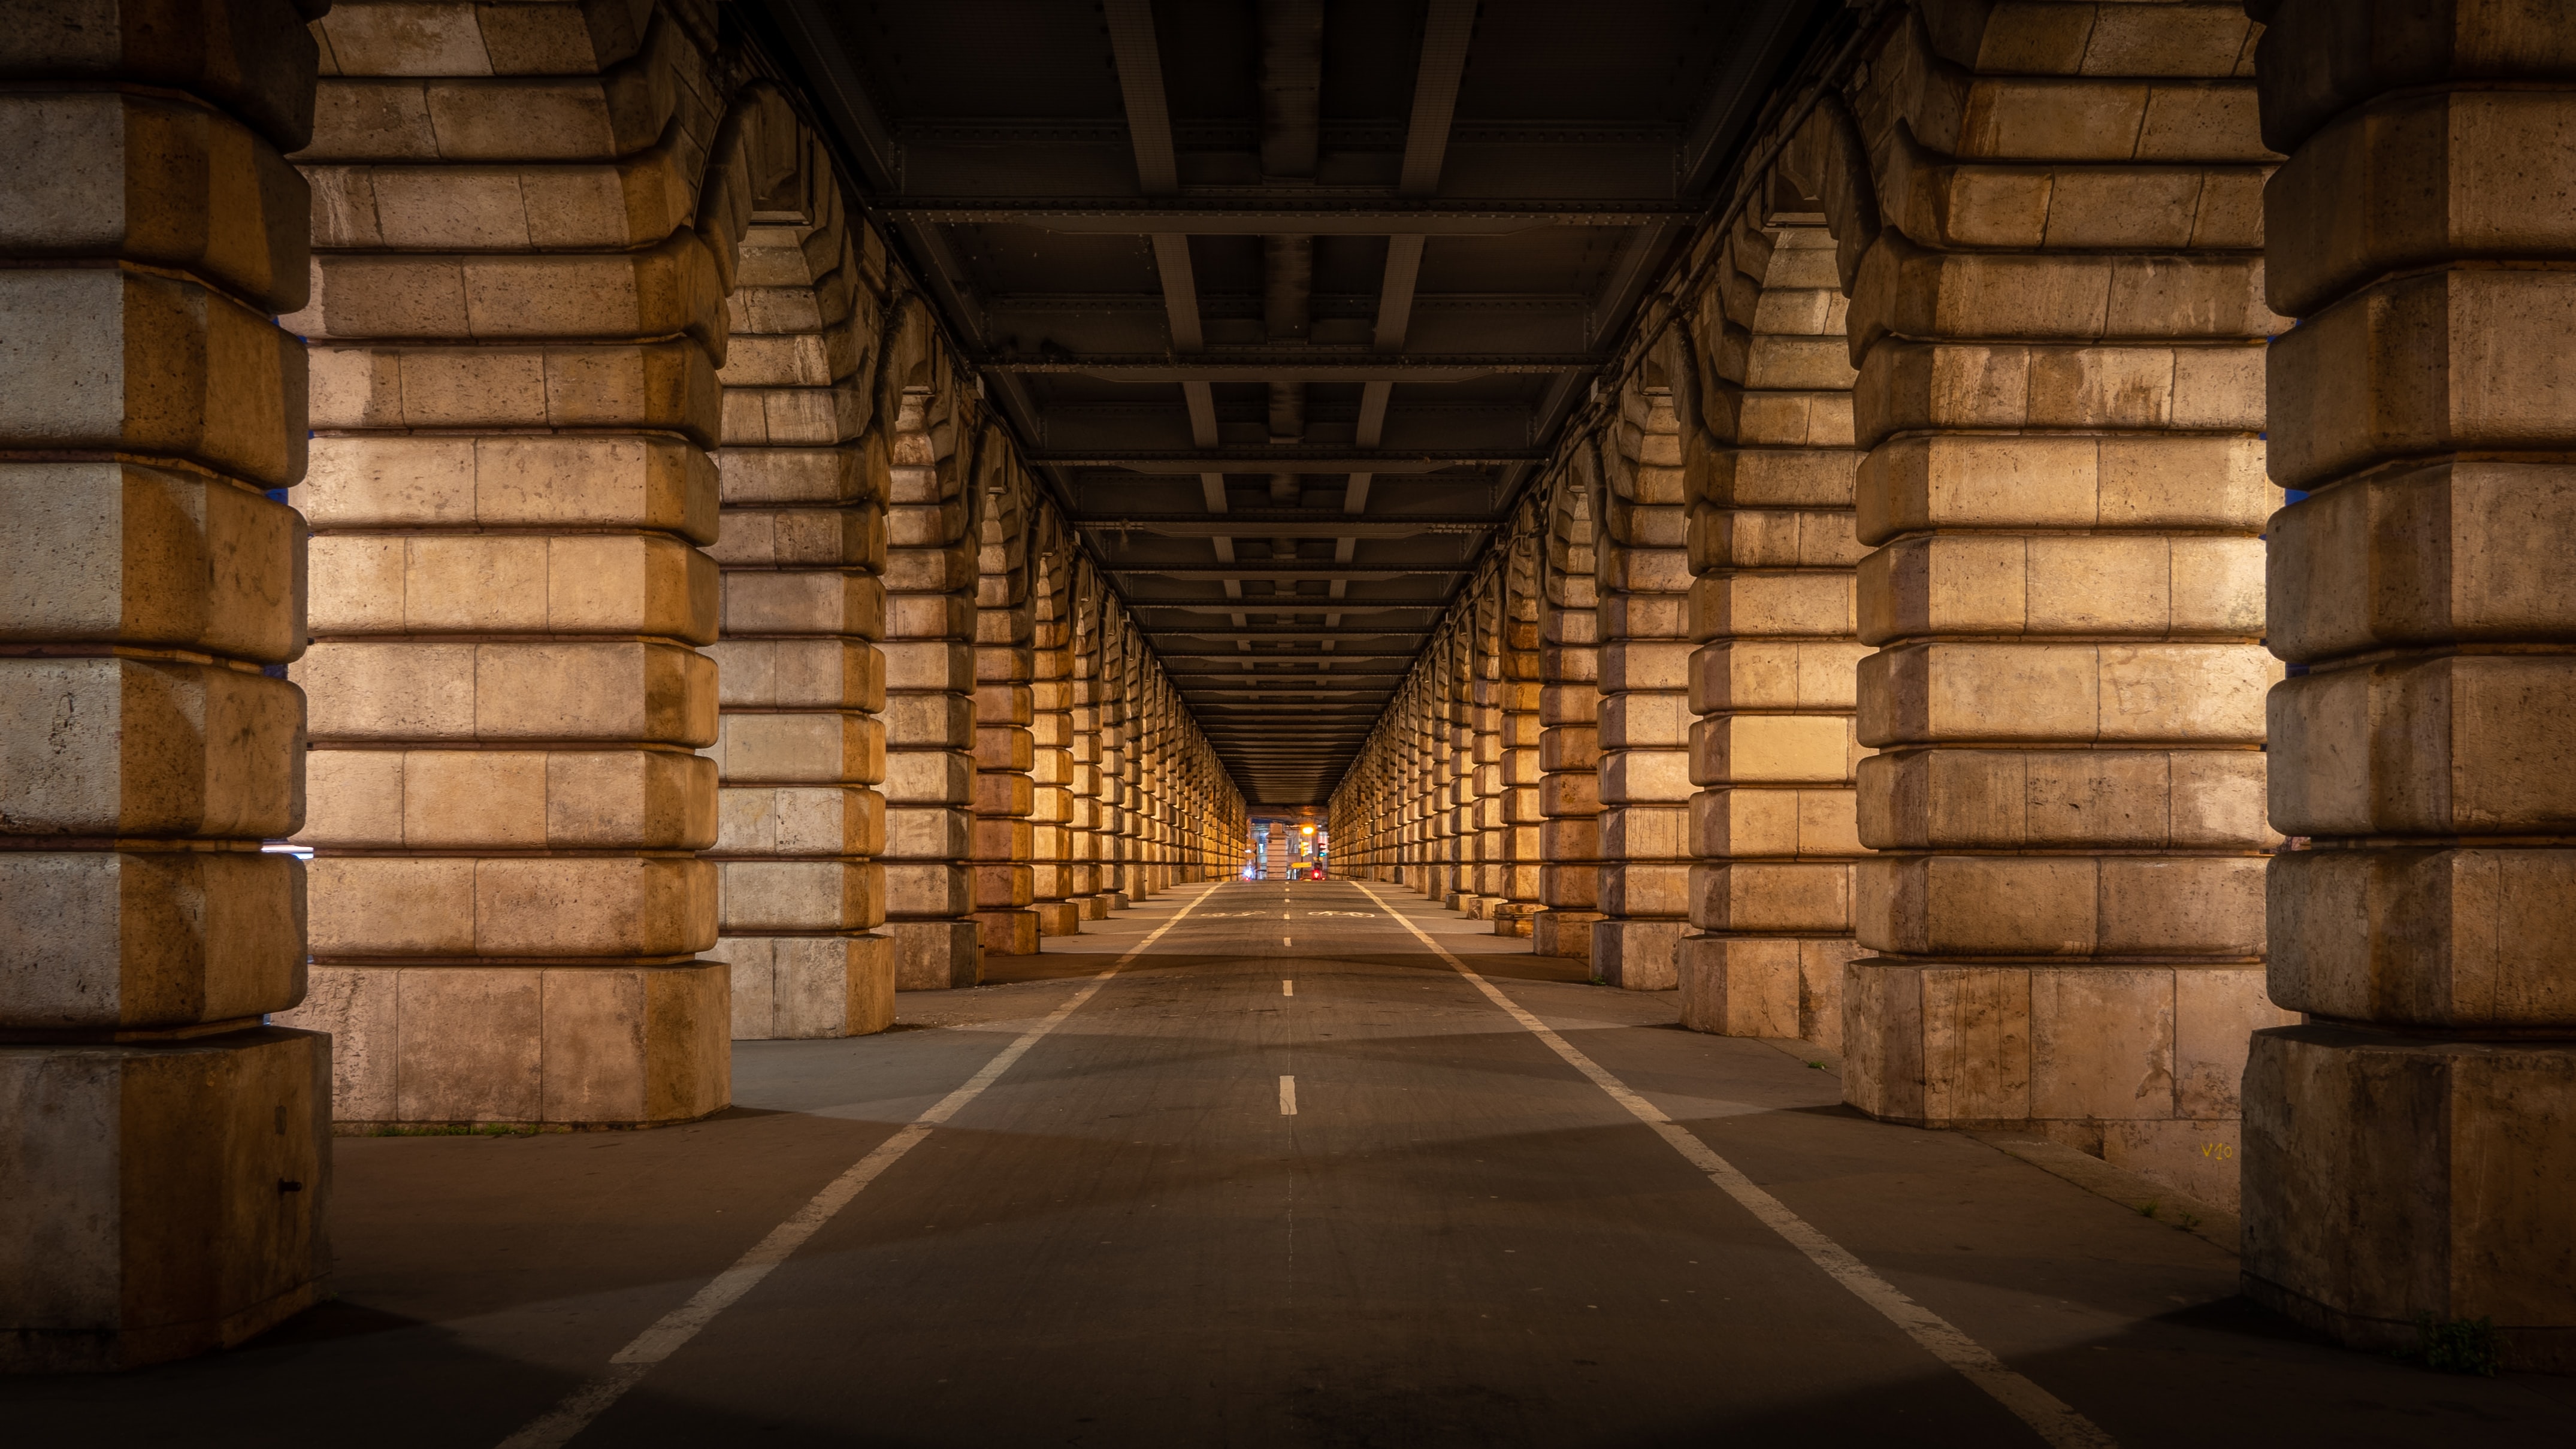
[
  {"x": 1126, "y": 1237},
  {"x": 1213, "y": 723}
]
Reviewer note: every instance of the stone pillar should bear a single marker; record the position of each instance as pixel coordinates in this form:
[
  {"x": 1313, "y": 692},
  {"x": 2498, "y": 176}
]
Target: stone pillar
[
  {"x": 164, "y": 1165},
  {"x": 2060, "y": 332},
  {"x": 1152, "y": 755},
  {"x": 1486, "y": 705},
  {"x": 930, "y": 671},
  {"x": 1769, "y": 464},
  {"x": 513, "y": 394},
  {"x": 1005, "y": 746},
  {"x": 799, "y": 678},
  {"x": 1645, "y": 700},
  {"x": 2409, "y": 1150},
  {"x": 1115, "y": 747},
  {"x": 1052, "y": 832},
  {"x": 1569, "y": 708},
  {"x": 1517, "y": 902},
  {"x": 1453, "y": 781},
  {"x": 1087, "y": 837},
  {"x": 1135, "y": 772},
  {"x": 1134, "y": 721}
]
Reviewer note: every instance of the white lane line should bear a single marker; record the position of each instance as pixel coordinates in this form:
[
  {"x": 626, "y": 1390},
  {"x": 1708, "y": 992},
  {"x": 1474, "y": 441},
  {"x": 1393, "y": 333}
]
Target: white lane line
[
  {"x": 628, "y": 1366},
  {"x": 1287, "y": 988},
  {"x": 1287, "y": 1096},
  {"x": 2051, "y": 1417}
]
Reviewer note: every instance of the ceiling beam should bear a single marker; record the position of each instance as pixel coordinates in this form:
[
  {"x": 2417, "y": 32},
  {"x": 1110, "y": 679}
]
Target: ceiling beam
[
  {"x": 1299, "y": 213},
  {"x": 1301, "y": 523},
  {"x": 1302, "y": 364},
  {"x": 1288, "y": 460},
  {"x": 1246, "y": 573}
]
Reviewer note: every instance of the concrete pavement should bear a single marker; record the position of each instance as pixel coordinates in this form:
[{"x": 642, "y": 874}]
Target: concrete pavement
[{"x": 1126, "y": 1240}]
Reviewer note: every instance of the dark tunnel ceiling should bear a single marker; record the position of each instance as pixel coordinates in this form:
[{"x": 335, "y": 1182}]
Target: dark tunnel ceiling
[{"x": 1288, "y": 299}]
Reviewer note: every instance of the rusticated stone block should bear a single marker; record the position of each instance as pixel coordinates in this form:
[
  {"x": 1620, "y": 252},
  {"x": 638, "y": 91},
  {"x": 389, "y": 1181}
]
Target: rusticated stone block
[
  {"x": 375, "y": 906},
  {"x": 800, "y": 674},
  {"x": 659, "y": 385},
  {"x": 2459, "y": 550},
  {"x": 163, "y": 1200},
  {"x": 511, "y": 482},
  {"x": 139, "y": 363},
  {"x": 1754, "y": 822},
  {"x": 133, "y": 747},
  {"x": 583, "y": 1045},
  {"x": 2389, "y": 1177},
  {"x": 623, "y": 692},
  {"x": 2429, "y": 362},
  {"x": 757, "y": 896},
  {"x": 2063, "y": 693},
  {"x": 1765, "y": 986},
  {"x": 806, "y": 987},
  {"x": 2434, "y": 936},
  {"x": 2321, "y": 57},
  {"x": 803, "y": 749},
  {"x": 148, "y": 940},
  {"x": 2026, "y": 799},
  {"x": 488, "y": 584},
  {"x": 2139, "y": 587},
  {"x": 1983, "y": 481},
  {"x": 126, "y": 554},
  {"x": 2469, "y": 743},
  {"x": 936, "y": 955},
  {"x": 2351, "y": 204},
  {"x": 1637, "y": 955},
  {"x": 800, "y": 821},
  {"x": 2125, "y": 905},
  {"x": 511, "y": 799},
  {"x": 655, "y": 291}
]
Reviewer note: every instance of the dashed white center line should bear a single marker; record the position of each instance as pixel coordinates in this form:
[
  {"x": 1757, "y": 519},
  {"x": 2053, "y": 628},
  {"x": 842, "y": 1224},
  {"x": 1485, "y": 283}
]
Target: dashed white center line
[
  {"x": 1287, "y": 988},
  {"x": 1287, "y": 1096}
]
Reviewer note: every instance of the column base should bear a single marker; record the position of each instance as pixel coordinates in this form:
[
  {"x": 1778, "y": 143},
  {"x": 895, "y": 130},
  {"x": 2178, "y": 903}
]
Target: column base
[
  {"x": 1092, "y": 907},
  {"x": 1563, "y": 933},
  {"x": 2390, "y": 1177},
  {"x": 1765, "y": 986},
  {"x": 936, "y": 955},
  {"x": 1008, "y": 933},
  {"x": 1637, "y": 955},
  {"x": 165, "y": 1200},
  {"x": 1059, "y": 918},
  {"x": 1513, "y": 918},
  {"x": 2134, "y": 1063},
  {"x": 808, "y": 987},
  {"x": 608, "y": 1045},
  {"x": 1117, "y": 901},
  {"x": 1474, "y": 907}
]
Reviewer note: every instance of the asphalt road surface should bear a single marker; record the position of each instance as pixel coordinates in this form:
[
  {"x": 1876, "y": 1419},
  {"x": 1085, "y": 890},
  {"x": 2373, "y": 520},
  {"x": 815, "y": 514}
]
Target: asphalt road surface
[{"x": 1286, "y": 1177}]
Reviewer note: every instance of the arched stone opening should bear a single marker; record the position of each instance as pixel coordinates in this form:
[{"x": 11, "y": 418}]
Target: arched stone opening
[
  {"x": 1764, "y": 370},
  {"x": 802, "y": 542},
  {"x": 1569, "y": 710},
  {"x": 1005, "y": 707}
]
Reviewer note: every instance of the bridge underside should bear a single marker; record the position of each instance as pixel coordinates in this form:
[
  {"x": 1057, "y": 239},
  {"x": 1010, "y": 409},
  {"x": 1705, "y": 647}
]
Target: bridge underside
[{"x": 2019, "y": 549}]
